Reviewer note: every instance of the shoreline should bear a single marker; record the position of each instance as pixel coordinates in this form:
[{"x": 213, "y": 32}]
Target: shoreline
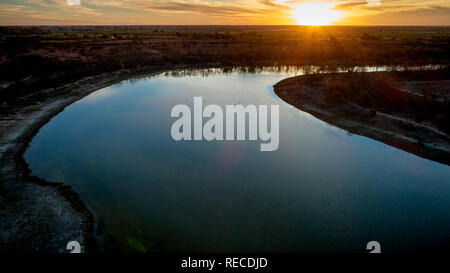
[
  {"x": 26, "y": 199},
  {"x": 435, "y": 147}
]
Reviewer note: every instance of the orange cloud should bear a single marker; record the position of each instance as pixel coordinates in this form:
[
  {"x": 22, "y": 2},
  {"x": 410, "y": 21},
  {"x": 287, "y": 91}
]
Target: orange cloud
[{"x": 215, "y": 12}]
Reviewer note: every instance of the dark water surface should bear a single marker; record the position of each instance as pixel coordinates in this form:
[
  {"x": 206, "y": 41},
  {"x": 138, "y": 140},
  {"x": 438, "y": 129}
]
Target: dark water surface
[{"x": 323, "y": 190}]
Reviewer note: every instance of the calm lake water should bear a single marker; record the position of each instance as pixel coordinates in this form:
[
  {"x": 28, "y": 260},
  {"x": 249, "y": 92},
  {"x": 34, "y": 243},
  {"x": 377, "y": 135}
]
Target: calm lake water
[{"x": 322, "y": 190}]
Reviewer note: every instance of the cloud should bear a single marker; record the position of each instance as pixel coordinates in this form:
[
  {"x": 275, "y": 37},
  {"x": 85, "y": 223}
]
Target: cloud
[
  {"x": 197, "y": 11},
  {"x": 12, "y": 9},
  {"x": 348, "y": 5},
  {"x": 74, "y": 2},
  {"x": 9, "y": 12},
  {"x": 275, "y": 4},
  {"x": 193, "y": 6},
  {"x": 72, "y": 7},
  {"x": 367, "y": 7},
  {"x": 203, "y": 8}
]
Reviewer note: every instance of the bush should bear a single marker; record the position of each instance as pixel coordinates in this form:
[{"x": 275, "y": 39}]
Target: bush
[{"x": 336, "y": 92}]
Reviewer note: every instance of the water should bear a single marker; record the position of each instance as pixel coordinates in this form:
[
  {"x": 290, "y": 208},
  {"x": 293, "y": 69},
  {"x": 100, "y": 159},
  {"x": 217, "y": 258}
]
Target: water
[{"x": 322, "y": 190}]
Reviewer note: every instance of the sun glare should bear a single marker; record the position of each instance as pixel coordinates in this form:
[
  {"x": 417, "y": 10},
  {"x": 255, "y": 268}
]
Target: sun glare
[{"x": 315, "y": 14}]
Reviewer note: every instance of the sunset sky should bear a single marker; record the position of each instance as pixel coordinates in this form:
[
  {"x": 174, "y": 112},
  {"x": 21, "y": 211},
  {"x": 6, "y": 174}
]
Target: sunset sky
[{"x": 237, "y": 12}]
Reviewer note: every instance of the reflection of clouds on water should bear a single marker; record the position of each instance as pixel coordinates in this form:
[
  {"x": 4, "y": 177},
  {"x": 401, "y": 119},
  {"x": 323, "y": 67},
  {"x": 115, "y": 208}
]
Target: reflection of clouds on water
[
  {"x": 74, "y": 2},
  {"x": 100, "y": 95}
]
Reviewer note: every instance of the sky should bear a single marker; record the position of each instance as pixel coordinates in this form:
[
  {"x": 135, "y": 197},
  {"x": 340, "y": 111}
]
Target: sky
[{"x": 223, "y": 12}]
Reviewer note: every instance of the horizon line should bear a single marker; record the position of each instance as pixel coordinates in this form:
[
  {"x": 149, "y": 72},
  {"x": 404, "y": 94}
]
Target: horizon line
[{"x": 271, "y": 25}]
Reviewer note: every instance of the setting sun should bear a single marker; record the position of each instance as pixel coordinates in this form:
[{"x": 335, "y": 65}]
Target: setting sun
[{"x": 315, "y": 13}]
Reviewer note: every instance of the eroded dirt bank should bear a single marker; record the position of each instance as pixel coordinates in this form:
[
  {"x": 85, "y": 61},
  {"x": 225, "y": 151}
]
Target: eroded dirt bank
[
  {"x": 386, "y": 106},
  {"x": 37, "y": 215}
]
